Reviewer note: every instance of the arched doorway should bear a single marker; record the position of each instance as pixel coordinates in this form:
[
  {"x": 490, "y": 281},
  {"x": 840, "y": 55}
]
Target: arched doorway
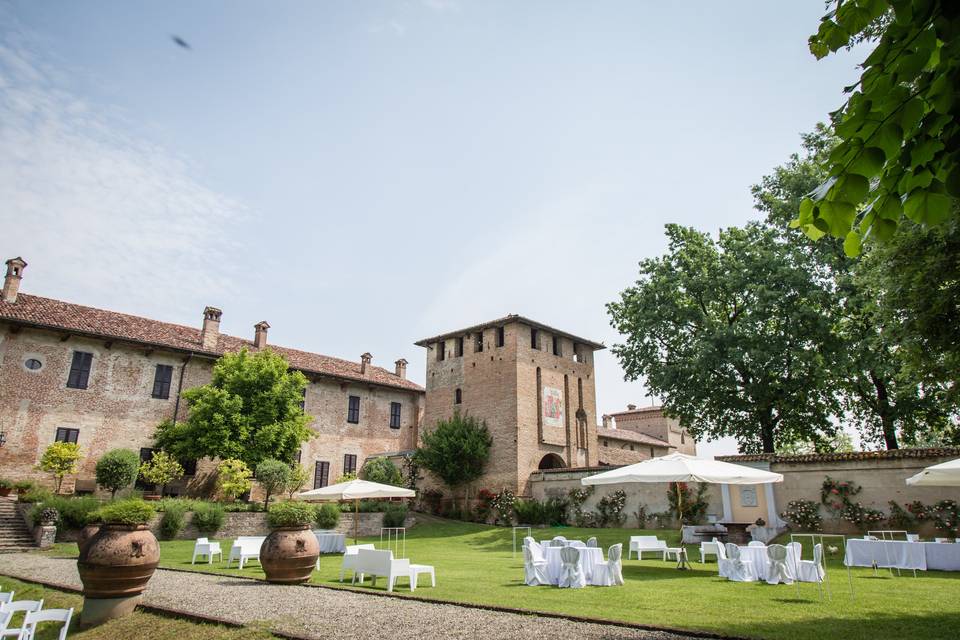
[{"x": 551, "y": 461}]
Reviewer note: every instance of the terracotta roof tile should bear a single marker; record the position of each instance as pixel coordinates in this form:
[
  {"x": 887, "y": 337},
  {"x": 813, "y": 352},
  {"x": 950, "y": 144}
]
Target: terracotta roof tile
[
  {"x": 892, "y": 454},
  {"x": 57, "y": 315},
  {"x": 630, "y": 436}
]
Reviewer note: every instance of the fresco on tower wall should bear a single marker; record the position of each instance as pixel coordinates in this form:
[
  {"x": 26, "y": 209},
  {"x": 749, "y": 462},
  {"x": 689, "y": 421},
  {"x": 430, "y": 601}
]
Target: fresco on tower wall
[{"x": 552, "y": 407}]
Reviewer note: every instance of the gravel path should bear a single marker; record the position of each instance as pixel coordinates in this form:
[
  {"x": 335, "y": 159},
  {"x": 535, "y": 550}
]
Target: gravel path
[{"x": 326, "y": 613}]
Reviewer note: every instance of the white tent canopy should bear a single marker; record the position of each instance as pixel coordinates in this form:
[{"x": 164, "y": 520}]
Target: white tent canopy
[
  {"x": 680, "y": 467},
  {"x": 945, "y": 474},
  {"x": 356, "y": 490}
]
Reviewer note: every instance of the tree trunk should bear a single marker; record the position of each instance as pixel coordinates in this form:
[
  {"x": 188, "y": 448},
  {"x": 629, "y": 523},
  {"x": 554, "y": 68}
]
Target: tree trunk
[
  {"x": 766, "y": 432},
  {"x": 886, "y": 412}
]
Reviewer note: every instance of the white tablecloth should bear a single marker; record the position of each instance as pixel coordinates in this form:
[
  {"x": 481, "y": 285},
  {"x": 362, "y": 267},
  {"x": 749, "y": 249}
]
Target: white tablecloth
[
  {"x": 331, "y": 542},
  {"x": 758, "y": 556},
  {"x": 589, "y": 558},
  {"x": 568, "y": 543},
  {"x": 895, "y": 554},
  {"x": 942, "y": 556}
]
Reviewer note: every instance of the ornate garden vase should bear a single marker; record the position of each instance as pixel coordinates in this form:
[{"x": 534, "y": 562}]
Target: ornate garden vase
[
  {"x": 289, "y": 554},
  {"x": 118, "y": 561},
  {"x": 86, "y": 534}
]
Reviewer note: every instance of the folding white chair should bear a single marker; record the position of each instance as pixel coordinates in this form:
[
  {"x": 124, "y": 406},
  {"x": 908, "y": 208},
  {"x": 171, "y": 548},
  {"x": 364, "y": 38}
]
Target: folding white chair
[
  {"x": 5, "y": 617},
  {"x": 570, "y": 573},
  {"x": 534, "y": 569},
  {"x": 27, "y": 606},
  {"x": 31, "y": 620},
  {"x": 6, "y": 596}
]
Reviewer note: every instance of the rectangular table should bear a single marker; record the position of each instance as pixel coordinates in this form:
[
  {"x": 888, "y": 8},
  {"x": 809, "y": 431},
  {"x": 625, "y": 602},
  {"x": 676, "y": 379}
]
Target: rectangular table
[
  {"x": 942, "y": 556},
  {"x": 892, "y": 554}
]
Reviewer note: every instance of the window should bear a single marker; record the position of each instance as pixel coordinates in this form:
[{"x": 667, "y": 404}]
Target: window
[
  {"x": 651, "y": 452},
  {"x": 534, "y": 338},
  {"x": 321, "y": 474},
  {"x": 161, "y": 381},
  {"x": 631, "y": 447},
  {"x": 606, "y": 443},
  {"x": 80, "y": 370},
  {"x": 478, "y": 345},
  {"x": 303, "y": 402},
  {"x": 458, "y": 347},
  {"x": 557, "y": 350},
  {"x": 457, "y": 396},
  {"x": 189, "y": 467},
  {"x": 350, "y": 463},
  {"x": 146, "y": 453},
  {"x": 441, "y": 351},
  {"x": 501, "y": 336},
  {"x": 576, "y": 353},
  {"x": 395, "y": 415},
  {"x": 65, "y": 434},
  {"x": 353, "y": 410},
  {"x": 32, "y": 364}
]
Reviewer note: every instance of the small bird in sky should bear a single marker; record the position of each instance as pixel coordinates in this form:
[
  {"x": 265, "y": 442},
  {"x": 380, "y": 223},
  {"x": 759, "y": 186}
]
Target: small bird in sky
[{"x": 180, "y": 41}]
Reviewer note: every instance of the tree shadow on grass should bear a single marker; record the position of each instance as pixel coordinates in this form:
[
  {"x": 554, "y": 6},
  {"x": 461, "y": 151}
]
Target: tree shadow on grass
[{"x": 874, "y": 626}]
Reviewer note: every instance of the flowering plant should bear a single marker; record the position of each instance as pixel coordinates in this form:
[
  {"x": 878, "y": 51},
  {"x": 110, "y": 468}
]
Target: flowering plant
[
  {"x": 862, "y": 517},
  {"x": 610, "y": 508},
  {"x": 944, "y": 515},
  {"x": 900, "y": 518},
  {"x": 503, "y": 503},
  {"x": 577, "y": 497},
  {"x": 835, "y": 495},
  {"x": 804, "y": 515},
  {"x": 693, "y": 507}
]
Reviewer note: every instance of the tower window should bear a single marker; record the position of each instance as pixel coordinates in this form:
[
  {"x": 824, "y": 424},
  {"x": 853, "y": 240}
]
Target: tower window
[
  {"x": 161, "y": 381},
  {"x": 534, "y": 338},
  {"x": 353, "y": 410},
  {"x": 501, "y": 336},
  {"x": 80, "y": 370},
  {"x": 576, "y": 353},
  {"x": 557, "y": 350},
  {"x": 478, "y": 345},
  {"x": 457, "y": 396},
  {"x": 458, "y": 347},
  {"x": 441, "y": 351},
  {"x": 395, "y": 415}
]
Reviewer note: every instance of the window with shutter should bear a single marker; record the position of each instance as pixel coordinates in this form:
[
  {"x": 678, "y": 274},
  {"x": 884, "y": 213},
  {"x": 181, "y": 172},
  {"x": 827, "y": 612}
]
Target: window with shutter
[
  {"x": 80, "y": 370},
  {"x": 161, "y": 381}
]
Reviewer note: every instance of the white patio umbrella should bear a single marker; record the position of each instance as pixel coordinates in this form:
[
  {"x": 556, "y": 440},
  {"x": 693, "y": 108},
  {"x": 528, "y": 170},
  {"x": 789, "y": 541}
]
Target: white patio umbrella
[
  {"x": 356, "y": 490},
  {"x": 945, "y": 474},
  {"x": 680, "y": 467}
]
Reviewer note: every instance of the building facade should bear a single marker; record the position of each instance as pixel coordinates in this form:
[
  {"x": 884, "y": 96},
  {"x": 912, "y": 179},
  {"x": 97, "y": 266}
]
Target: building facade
[
  {"x": 105, "y": 380},
  {"x": 635, "y": 435}
]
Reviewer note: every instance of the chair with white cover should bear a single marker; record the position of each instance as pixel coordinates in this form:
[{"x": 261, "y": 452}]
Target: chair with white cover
[
  {"x": 32, "y": 619},
  {"x": 778, "y": 571},
  {"x": 723, "y": 562},
  {"x": 534, "y": 569},
  {"x": 27, "y": 606},
  {"x": 570, "y": 573},
  {"x": 756, "y": 543},
  {"x": 812, "y": 570},
  {"x": 609, "y": 574},
  {"x": 797, "y": 549},
  {"x": 203, "y": 547},
  {"x": 558, "y": 541},
  {"x": 709, "y": 548},
  {"x": 350, "y": 557},
  {"x": 6, "y": 596},
  {"x": 528, "y": 540},
  {"x": 576, "y": 544},
  {"x": 736, "y": 569},
  {"x": 592, "y": 542}
]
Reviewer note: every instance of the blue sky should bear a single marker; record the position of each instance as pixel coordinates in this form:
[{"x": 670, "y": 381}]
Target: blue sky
[{"x": 365, "y": 174}]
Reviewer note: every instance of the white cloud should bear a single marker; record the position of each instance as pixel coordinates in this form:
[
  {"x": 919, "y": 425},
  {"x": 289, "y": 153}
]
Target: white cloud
[
  {"x": 390, "y": 27},
  {"x": 102, "y": 211}
]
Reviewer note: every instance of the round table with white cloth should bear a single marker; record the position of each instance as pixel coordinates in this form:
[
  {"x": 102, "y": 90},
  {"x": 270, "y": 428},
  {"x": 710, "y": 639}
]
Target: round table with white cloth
[
  {"x": 331, "y": 541},
  {"x": 566, "y": 543},
  {"x": 589, "y": 558},
  {"x": 761, "y": 562}
]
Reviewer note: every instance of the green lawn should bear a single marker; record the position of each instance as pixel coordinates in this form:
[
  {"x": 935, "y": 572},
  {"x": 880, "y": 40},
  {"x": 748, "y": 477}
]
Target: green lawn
[
  {"x": 140, "y": 625},
  {"x": 474, "y": 564}
]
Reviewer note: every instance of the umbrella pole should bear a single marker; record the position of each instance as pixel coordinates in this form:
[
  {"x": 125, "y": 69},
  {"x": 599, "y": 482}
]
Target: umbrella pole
[
  {"x": 682, "y": 553},
  {"x": 356, "y": 519}
]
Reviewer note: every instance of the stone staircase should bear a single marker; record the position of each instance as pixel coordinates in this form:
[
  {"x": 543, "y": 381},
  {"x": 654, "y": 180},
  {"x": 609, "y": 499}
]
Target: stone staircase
[{"x": 15, "y": 536}]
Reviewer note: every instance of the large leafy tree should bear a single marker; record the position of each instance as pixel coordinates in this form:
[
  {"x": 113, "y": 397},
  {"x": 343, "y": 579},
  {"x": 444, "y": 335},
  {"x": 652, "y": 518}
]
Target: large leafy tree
[
  {"x": 456, "y": 450},
  {"x": 899, "y": 132},
  {"x": 250, "y": 411},
  {"x": 735, "y": 334}
]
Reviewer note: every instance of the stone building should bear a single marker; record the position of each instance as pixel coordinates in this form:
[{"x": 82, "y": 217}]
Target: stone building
[
  {"x": 636, "y": 434},
  {"x": 105, "y": 379},
  {"x": 533, "y": 385}
]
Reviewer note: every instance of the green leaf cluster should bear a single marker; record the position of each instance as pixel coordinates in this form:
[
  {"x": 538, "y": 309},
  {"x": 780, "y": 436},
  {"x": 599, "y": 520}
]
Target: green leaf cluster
[
  {"x": 127, "y": 512},
  {"x": 455, "y": 450},
  {"x": 291, "y": 513},
  {"x": 899, "y": 132},
  {"x": 382, "y": 470},
  {"x": 273, "y": 476},
  {"x": 60, "y": 459},
  {"x": 117, "y": 469},
  {"x": 161, "y": 469},
  {"x": 233, "y": 479}
]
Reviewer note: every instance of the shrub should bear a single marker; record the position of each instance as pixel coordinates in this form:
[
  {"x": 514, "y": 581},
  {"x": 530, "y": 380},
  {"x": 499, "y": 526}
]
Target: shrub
[
  {"x": 24, "y": 485},
  {"x": 862, "y": 517},
  {"x": 208, "y": 517},
  {"x": 273, "y": 476},
  {"x": 577, "y": 497},
  {"x": 127, "y": 512},
  {"x": 552, "y": 511},
  {"x": 503, "y": 503},
  {"x": 395, "y": 516},
  {"x": 945, "y": 515},
  {"x": 433, "y": 500},
  {"x": 803, "y": 515},
  {"x": 381, "y": 470},
  {"x": 298, "y": 477},
  {"x": 187, "y": 504},
  {"x": 60, "y": 459},
  {"x": 899, "y": 517},
  {"x": 171, "y": 523},
  {"x": 73, "y": 513},
  {"x": 40, "y": 514},
  {"x": 610, "y": 508},
  {"x": 694, "y": 507},
  {"x": 291, "y": 513},
  {"x": 36, "y": 494},
  {"x": 161, "y": 469},
  {"x": 328, "y": 516},
  {"x": 6, "y": 484},
  {"x": 347, "y": 477},
  {"x": 835, "y": 496},
  {"x": 117, "y": 469},
  {"x": 242, "y": 507},
  {"x": 233, "y": 479}
]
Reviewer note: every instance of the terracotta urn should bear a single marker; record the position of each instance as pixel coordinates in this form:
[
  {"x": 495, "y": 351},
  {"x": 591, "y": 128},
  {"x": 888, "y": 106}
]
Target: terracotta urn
[
  {"x": 5, "y": 491},
  {"x": 86, "y": 534},
  {"x": 289, "y": 554},
  {"x": 118, "y": 561}
]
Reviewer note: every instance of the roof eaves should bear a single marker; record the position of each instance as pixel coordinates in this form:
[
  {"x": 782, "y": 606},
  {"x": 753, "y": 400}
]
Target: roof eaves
[{"x": 511, "y": 318}]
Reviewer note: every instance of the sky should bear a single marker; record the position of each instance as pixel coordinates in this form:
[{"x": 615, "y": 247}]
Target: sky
[{"x": 365, "y": 174}]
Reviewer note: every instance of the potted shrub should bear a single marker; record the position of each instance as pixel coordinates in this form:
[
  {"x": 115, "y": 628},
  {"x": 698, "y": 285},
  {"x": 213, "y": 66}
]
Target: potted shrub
[
  {"x": 290, "y": 552},
  {"x": 119, "y": 560},
  {"x": 6, "y": 486},
  {"x": 23, "y": 486}
]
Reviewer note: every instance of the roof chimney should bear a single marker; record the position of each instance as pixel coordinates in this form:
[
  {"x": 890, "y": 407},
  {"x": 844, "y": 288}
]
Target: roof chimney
[
  {"x": 11, "y": 283},
  {"x": 260, "y": 334},
  {"x": 606, "y": 421},
  {"x": 401, "y": 368},
  {"x": 631, "y": 407},
  {"x": 210, "y": 334},
  {"x": 365, "y": 362}
]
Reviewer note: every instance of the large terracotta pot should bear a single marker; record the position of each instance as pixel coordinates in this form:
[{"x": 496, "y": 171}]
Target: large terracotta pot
[
  {"x": 4, "y": 491},
  {"x": 289, "y": 554},
  {"x": 86, "y": 534},
  {"x": 118, "y": 561}
]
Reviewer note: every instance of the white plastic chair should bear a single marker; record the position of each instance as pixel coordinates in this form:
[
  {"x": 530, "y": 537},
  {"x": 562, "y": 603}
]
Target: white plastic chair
[
  {"x": 611, "y": 573},
  {"x": 756, "y": 543},
  {"x": 6, "y": 596},
  {"x": 736, "y": 569},
  {"x": 570, "y": 573},
  {"x": 27, "y": 606},
  {"x": 33, "y": 618},
  {"x": 709, "y": 548},
  {"x": 641, "y": 544},
  {"x": 592, "y": 542},
  {"x": 203, "y": 547},
  {"x": 5, "y": 617},
  {"x": 778, "y": 571},
  {"x": 797, "y": 549},
  {"x": 350, "y": 557},
  {"x": 534, "y": 569}
]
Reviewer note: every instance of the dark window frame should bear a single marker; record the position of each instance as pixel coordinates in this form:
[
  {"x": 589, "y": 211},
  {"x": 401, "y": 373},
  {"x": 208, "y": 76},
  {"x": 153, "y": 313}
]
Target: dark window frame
[
  {"x": 161, "y": 386},
  {"x": 303, "y": 401},
  {"x": 349, "y": 463},
  {"x": 395, "y": 412},
  {"x": 478, "y": 342},
  {"x": 458, "y": 396},
  {"x": 67, "y": 434},
  {"x": 353, "y": 412},
  {"x": 321, "y": 474},
  {"x": 80, "y": 367},
  {"x": 501, "y": 336},
  {"x": 557, "y": 346},
  {"x": 458, "y": 347},
  {"x": 29, "y": 367},
  {"x": 441, "y": 351},
  {"x": 534, "y": 338}
]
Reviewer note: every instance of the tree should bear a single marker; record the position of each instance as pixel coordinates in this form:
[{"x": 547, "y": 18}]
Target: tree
[
  {"x": 233, "y": 479},
  {"x": 60, "y": 459},
  {"x": 117, "y": 469},
  {"x": 298, "y": 477},
  {"x": 382, "y": 470},
  {"x": 841, "y": 442},
  {"x": 273, "y": 475},
  {"x": 734, "y": 334},
  {"x": 161, "y": 469},
  {"x": 250, "y": 411},
  {"x": 456, "y": 450},
  {"x": 899, "y": 131}
]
